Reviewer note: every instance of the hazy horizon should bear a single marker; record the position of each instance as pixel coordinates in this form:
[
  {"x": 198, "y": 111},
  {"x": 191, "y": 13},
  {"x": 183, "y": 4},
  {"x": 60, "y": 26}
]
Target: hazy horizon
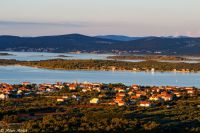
[
  {"x": 100, "y": 17},
  {"x": 90, "y": 35}
]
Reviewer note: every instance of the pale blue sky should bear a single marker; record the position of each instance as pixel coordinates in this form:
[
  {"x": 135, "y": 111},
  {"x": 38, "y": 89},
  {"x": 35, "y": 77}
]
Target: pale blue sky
[{"x": 97, "y": 17}]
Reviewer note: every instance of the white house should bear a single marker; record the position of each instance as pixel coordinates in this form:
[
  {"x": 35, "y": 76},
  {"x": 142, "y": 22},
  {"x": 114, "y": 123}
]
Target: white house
[
  {"x": 154, "y": 98},
  {"x": 60, "y": 99},
  {"x": 94, "y": 100},
  {"x": 121, "y": 103},
  {"x": 65, "y": 97},
  {"x": 19, "y": 91},
  {"x": 4, "y": 96},
  {"x": 145, "y": 104},
  {"x": 167, "y": 97}
]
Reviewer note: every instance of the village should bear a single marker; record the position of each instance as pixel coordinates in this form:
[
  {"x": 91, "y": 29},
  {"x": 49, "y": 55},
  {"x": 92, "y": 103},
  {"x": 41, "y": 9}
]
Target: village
[{"x": 99, "y": 94}]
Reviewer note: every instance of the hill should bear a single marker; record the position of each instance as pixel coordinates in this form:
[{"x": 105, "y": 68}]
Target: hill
[
  {"x": 61, "y": 43},
  {"x": 180, "y": 46},
  {"x": 77, "y": 42},
  {"x": 119, "y": 37}
]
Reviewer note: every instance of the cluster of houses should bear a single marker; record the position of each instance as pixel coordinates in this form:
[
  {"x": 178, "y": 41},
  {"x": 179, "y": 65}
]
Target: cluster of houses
[
  {"x": 117, "y": 95},
  {"x": 173, "y": 70},
  {"x": 148, "y": 96},
  {"x": 27, "y": 88}
]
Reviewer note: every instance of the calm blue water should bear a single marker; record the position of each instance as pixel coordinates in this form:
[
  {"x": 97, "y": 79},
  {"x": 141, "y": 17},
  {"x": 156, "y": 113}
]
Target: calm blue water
[
  {"x": 18, "y": 74},
  {"x": 36, "y": 56}
]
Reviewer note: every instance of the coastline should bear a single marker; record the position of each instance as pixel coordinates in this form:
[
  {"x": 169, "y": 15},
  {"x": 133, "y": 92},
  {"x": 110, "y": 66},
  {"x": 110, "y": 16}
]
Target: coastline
[
  {"x": 159, "y": 58},
  {"x": 100, "y": 65},
  {"x": 157, "y": 71}
]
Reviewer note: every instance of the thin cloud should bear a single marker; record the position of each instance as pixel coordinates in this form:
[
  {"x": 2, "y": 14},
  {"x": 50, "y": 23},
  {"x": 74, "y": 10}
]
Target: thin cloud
[{"x": 64, "y": 24}]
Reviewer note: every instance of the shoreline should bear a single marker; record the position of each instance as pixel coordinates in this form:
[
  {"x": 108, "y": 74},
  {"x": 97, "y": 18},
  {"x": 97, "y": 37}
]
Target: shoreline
[
  {"x": 156, "y": 71},
  {"x": 110, "y": 70},
  {"x": 158, "y": 58},
  {"x": 98, "y": 82},
  {"x": 106, "y": 65},
  {"x": 103, "y": 83}
]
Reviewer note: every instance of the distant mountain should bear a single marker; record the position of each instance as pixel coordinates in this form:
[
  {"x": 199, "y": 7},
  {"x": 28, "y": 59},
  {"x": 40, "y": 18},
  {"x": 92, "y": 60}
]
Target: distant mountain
[
  {"x": 77, "y": 42},
  {"x": 176, "y": 36},
  {"x": 119, "y": 37},
  {"x": 164, "y": 45},
  {"x": 61, "y": 43}
]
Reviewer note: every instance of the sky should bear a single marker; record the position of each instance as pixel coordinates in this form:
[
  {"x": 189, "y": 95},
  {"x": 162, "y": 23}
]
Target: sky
[{"x": 100, "y": 17}]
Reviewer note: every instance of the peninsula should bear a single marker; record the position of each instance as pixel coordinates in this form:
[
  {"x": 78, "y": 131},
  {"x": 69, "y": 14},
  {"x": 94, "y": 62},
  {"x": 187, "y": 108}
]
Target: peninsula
[{"x": 107, "y": 65}]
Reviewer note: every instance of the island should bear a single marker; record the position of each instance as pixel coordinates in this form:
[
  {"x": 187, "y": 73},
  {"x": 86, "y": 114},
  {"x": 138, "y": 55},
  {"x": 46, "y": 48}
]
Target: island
[
  {"x": 107, "y": 65},
  {"x": 5, "y": 54},
  {"x": 154, "y": 57},
  {"x": 63, "y": 56}
]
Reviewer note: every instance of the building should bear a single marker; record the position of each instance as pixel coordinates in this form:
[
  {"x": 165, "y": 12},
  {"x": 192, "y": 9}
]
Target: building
[
  {"x": 190, "y": 90},
  {"x": 145, "y": 104},
  {"x": 94, "y": 100},
  {"x": 72, "y": 86},
  {"x": 119, "y": 90},
  {"x": 26, "y": 83},
  {"x": 167, "y": 97},
  {"x": 121, "y": 103},
  {"x": 132, "y": 98},
  {"x": 65, "y": 97},
  {"x": 4, "y": 96},
  {"x": 121, "y": 94},
  {"x": 60, "y": 99},
  {"x": 135, "y": 87},
  {"x": 154, "y": 98},
  {"x": 178, "y": 94}
]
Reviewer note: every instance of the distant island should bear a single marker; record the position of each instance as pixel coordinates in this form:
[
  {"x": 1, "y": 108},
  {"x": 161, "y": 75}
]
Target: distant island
[
  {"x": 5, "y": 54},
  {"x": 99, "y": 44},
  {"x": 107, "y": 65},
  {"x": 63, "y": 56},
  {"x": 152, "y": 57}
]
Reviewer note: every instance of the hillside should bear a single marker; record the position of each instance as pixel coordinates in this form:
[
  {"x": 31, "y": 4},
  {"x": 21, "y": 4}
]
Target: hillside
[
  {"x": 62, "y": 43},
  {"x": 184, "y": 46},
  {"x": 119, "y": 37},
  {"x": 77, "y": 42}
]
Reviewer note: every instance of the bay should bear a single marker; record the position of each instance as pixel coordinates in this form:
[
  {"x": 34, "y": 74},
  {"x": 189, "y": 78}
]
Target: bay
[{"x": 17, "y": 74}]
